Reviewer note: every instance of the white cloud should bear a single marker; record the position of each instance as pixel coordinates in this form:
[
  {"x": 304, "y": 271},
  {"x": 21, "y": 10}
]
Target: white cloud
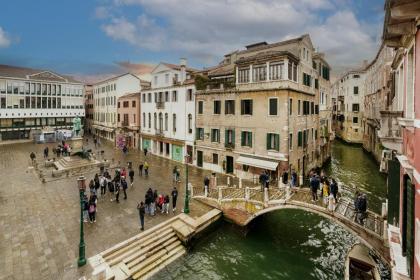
[
  {"x": 5, "y": 40},
  {"x": 206, "y": 30},
  {"x": 101, "y": 12}
]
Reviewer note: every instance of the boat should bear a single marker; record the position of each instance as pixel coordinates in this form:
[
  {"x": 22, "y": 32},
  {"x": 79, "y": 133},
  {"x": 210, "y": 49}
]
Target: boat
[{"x": 360, "y": 265}]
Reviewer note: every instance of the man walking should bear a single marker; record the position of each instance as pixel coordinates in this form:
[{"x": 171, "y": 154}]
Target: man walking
[
  {"x": 146, "y": 169},
  {"x": 174, "y": 195},
  {"x": 145, "y": 152},
  {"x": 141, "y": 169},
  {"x": 314, "y": 183},
  {"x": 124, "y": 186},
  {"x": 206, "y": 185},
  {"x": 46, "y": 152},
  {"x": 131, "y": 175},
  {"x": 32, "y": 156},
  {"x": 142, "y": 211}
]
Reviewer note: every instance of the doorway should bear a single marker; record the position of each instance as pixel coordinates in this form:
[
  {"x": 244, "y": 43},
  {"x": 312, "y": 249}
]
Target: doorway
[
  {"x": 229, "y": 164},
  {"x": 200, "y": 158}
]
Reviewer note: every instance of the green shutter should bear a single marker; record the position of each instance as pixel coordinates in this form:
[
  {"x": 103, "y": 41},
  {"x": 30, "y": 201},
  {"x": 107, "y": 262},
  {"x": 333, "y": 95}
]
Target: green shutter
[
  {"x": 393, "y": 192},
  {"x": 197, "y": 133},
  {"x": 250, "y": 139},
  {"x": 277, "y": 142},
  {"x": 226, "y": 136},
  {"x": 233, "y": 136},
  {"x": 242, "y": 138},
  {"x": 268, "y": 141}
]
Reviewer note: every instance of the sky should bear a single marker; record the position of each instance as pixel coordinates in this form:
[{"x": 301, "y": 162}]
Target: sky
[{"x": 94, "y": 38}]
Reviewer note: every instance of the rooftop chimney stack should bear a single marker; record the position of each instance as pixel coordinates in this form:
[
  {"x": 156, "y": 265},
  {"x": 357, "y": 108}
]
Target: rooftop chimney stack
[{"x": 183, "y": 64}]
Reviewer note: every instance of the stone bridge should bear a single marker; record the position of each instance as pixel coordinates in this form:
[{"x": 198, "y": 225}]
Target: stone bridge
[{"x": 242, "y": 205}]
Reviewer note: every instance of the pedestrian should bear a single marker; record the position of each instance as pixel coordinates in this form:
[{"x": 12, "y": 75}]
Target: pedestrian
[
  {"x": 206, "y": 185},
  {"x": 92, "y": 210},
  {"x": 124, "y": 172},
  {"x": 161, "y": 202},
  {"x": 85, "y": 208},
  {"x": 334, "y": 189},
  {"x": 294, "y": 178},
  {"x": 285, "y": 177},
  {"x": 314, "y": 183},
  {"x": 117, "y": 191},
  {"x": 174, "y": 195},
  {"x": 131, "y": 175},
  {"x": 146, "y": 169},
  {"x": 125, "y": 150},
  {"x": 95, "y": 141},
  {"x": 166, "y": 204},
  {"x": 124, "y": 186},
  {"x": 141, "y": 169},
  {"x": 267, "y": 180},
  {"x": 103, "y": 184},
  {"x": 46, "y": 152},
  {"x": 96, "y": 182},
  {"x": 142, "y": 211},
  {"x": 32, "y": 156},
  {"x": 325, "y": 191},
  {"x": 361, "y": 208},
  {"x": 174, "y": 174},
  {"x": 145, "y": 152}
]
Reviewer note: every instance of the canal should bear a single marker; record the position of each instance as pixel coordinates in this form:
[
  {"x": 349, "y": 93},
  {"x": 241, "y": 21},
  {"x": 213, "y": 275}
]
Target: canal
[{"x": 287, "y": 244}]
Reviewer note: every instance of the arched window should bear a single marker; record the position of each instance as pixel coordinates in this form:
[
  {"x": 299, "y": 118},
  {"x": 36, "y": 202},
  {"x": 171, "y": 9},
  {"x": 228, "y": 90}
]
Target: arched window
[
  {"x": 174, "y": 122},
  {"x": 189, "y": 123},
  {"x": 160, "y": 121},
  {"x": 150, "y": 120},
  {"x": 144, "y": 119},
  {"x": 166, "y": 121}
]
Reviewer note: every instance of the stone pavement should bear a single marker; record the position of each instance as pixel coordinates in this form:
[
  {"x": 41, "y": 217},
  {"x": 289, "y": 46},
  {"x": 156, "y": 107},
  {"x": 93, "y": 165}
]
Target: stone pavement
[{"x": 39, "y": 222}]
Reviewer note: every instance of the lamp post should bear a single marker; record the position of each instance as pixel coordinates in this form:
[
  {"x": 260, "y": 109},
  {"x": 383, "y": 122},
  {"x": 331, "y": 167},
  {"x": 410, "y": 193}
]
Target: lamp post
[
  {"x": 82, "y": 187},
  {"x": 186, "y": 202}
]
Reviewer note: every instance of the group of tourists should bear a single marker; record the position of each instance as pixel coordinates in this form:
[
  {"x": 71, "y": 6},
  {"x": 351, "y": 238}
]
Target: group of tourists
[
  {"x": 144, "y": 166},
  {"x": 328, "y": 188}
]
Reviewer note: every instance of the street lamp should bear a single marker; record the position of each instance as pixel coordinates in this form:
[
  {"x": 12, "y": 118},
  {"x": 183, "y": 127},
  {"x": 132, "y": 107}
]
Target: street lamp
[
  {"x": 82, "y": 187},
  {"x": 186, "y": 202}
]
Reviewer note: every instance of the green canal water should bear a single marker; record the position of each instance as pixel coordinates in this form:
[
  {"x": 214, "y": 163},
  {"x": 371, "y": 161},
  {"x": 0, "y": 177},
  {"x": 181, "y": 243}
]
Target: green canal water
[{"x": 287, "y": 244}]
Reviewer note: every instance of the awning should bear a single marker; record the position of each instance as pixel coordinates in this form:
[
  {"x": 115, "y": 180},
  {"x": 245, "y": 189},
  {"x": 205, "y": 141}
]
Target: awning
[
  {"x": 99, "y": 127},
  {"x": 260, "y": 163}
]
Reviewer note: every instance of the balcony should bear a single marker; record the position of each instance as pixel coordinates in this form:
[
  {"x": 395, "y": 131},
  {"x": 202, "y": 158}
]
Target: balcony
[
  {"x": 390, "y": 131},
  {"x": 160, "y": 105},
  {"x": 125, "y": 124},
  {"x": 159, "y": 133},
  {"x": 230, "y": 146}
]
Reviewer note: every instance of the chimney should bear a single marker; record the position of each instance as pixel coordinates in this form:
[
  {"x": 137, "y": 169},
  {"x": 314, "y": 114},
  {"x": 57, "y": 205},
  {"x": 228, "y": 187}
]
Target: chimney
[{"x": 183, "y": 64}]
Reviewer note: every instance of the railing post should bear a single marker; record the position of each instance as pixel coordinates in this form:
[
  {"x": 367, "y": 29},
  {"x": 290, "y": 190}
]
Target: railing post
[
  {"x": 266, "y": 198},
  {"x": 247, "y": 193},
  {"x": 206, "y": 191},
  {"x": 240, "y": 183},
  {"x": 191, "y": 190},
  {"x": 228, "y": 181},
  {"x": 220, "y": 194},
  {"x": 385, "y": 229},
  {"x": 287, "y": 192}
]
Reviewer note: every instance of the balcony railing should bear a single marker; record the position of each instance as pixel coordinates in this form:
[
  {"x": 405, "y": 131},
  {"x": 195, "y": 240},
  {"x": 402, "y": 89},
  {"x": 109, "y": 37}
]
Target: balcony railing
[
  {"x": 125, "y": 124},
  {"x": 159, "y": 132},
  {"x": 230, "y": 145},
  {"x": 160, "y": 105}
]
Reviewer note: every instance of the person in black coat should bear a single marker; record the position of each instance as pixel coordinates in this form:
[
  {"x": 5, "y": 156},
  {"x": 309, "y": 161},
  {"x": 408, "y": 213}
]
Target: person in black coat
[
  {"x": 334, "y": 189},
  {"x": 174, "y": 195}
]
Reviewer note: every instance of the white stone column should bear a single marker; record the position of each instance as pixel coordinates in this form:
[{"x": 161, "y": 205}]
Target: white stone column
[
  {"x": 267, "y": 69},
  {"x": 286, "y": 69},
  {"x": 251, "y": 78},
  {"x": 237, "y": 75}
]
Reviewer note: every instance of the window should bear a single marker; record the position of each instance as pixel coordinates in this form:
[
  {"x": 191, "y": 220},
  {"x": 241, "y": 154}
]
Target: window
[
  {"x": 215, "y": 135},
  {"x": 144, "y": 119},
  {"x": 216, "y": 107},
  {"x": 229, "y": 107},
  {"x": 133, "y": 103},
  {"x": 174, "y": 96},
  {"x": 246, "y": 138},
  {"x": 299, "y": 107},
  {"x": 409, "y": 112},
  {"x": 246, "y": 107},
  {"x": 150, "y": 120},
  {"x": 325, "y": 72},
  {"x": 149, "y": 97},
  {"x": 355, "y": 107},
  {"x": 126, "y": 104},
  {"x": 312, "y": 108},
  {"x": 355, "y": 120},
  {"x": 167, "y": 78},
  {"x": 174, "y": 122},
  {"x": 166, "y": 121},
  {"x": 356, "y": 76},
  {"x": 306, "y": 79},
  {"x": 243, "y": 75},
  {"x": 272, "y": 110},
  {"x": 290, "y": 106},
  {"x": 317, "y": 109},
  {"x": 316, "y": 84},
  {"x": 355, "y": 90},
  {"x": 259, "y": 73},
  {"x": 166, "y": 96},
  {"x": 118, "y": 118},
  {"x": 190, "y": 95},
  {"x": 155, "y": 121},
  {"x": 276, "y": 70},
  {"x": 215, "y": 159},
  {"x": 273, "y": 141},
  {"x": 200, "y": 107},
  {"x": 189, "y": 123},
  {"x": 199, "y": 133},
  {"x": 290, "y": 141},
  {"x": 143, "y": 98},
  {"x": 299, "y": 140},
  {"x": 229, "y": 137}
]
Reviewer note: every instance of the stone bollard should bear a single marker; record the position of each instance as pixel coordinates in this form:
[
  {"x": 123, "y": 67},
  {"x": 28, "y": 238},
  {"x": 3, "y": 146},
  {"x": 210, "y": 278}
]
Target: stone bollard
[
  {"x": 220, "y": 194},
  {"x": 288, "y": 192},
  {"x": 190, "y": 186},
  {"x": 300, "y": 180},
  {"x": 240, "y": 183},
  {"x": 247, "y": 193},
  {"x": 385, "y": 229},
  {"x": 206, "y": 191},
  {"x": 266, "y": 198},
  {"x": 228, "y": 181},
  {"x": 384, "y": 211}
]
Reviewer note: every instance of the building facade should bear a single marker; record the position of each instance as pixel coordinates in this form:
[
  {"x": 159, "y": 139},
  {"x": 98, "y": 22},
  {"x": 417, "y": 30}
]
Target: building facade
[
  {"x": 32, "y": 100},
  {"x": 128, "y": 119},
  {"x": 258, "y": 110},
  {"x": 401, "y": 32},
  {"x": 167, "y": 112},
  {"x": 89, "y": 110},
  {"x": 377, "y": 87},
  {"x": 105, "y": 96},
  {"x": 348, "y": 96}
]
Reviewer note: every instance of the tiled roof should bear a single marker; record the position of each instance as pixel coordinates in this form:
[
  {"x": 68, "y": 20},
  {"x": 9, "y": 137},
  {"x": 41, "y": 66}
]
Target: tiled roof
[
  {"x": 36, "y": 74},
  {"x": 268, "y": 46},
  {"x": 178, "y": 67}
]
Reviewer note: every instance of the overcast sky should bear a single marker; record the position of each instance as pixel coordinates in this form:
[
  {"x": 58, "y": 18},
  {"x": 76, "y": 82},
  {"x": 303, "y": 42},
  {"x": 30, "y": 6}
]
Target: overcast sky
[{"x": 93, "y": 37}]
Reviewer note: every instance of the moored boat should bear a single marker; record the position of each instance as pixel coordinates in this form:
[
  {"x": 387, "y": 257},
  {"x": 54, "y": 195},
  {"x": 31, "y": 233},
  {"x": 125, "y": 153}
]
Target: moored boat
[{"x": 360, "y": 265}]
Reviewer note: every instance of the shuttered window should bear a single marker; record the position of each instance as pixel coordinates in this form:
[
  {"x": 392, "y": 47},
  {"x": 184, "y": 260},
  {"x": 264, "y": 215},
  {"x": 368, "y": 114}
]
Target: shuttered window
[
  {"x": 272, "y": 103},
  {"x": 300, "y": 139},
  {"x": 246, "y": 138},
  {"x": 273, "y": 141}
]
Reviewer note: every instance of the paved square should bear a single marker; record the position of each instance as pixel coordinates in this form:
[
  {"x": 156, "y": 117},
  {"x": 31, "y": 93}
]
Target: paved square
[{"x": 39, "y": 222}]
